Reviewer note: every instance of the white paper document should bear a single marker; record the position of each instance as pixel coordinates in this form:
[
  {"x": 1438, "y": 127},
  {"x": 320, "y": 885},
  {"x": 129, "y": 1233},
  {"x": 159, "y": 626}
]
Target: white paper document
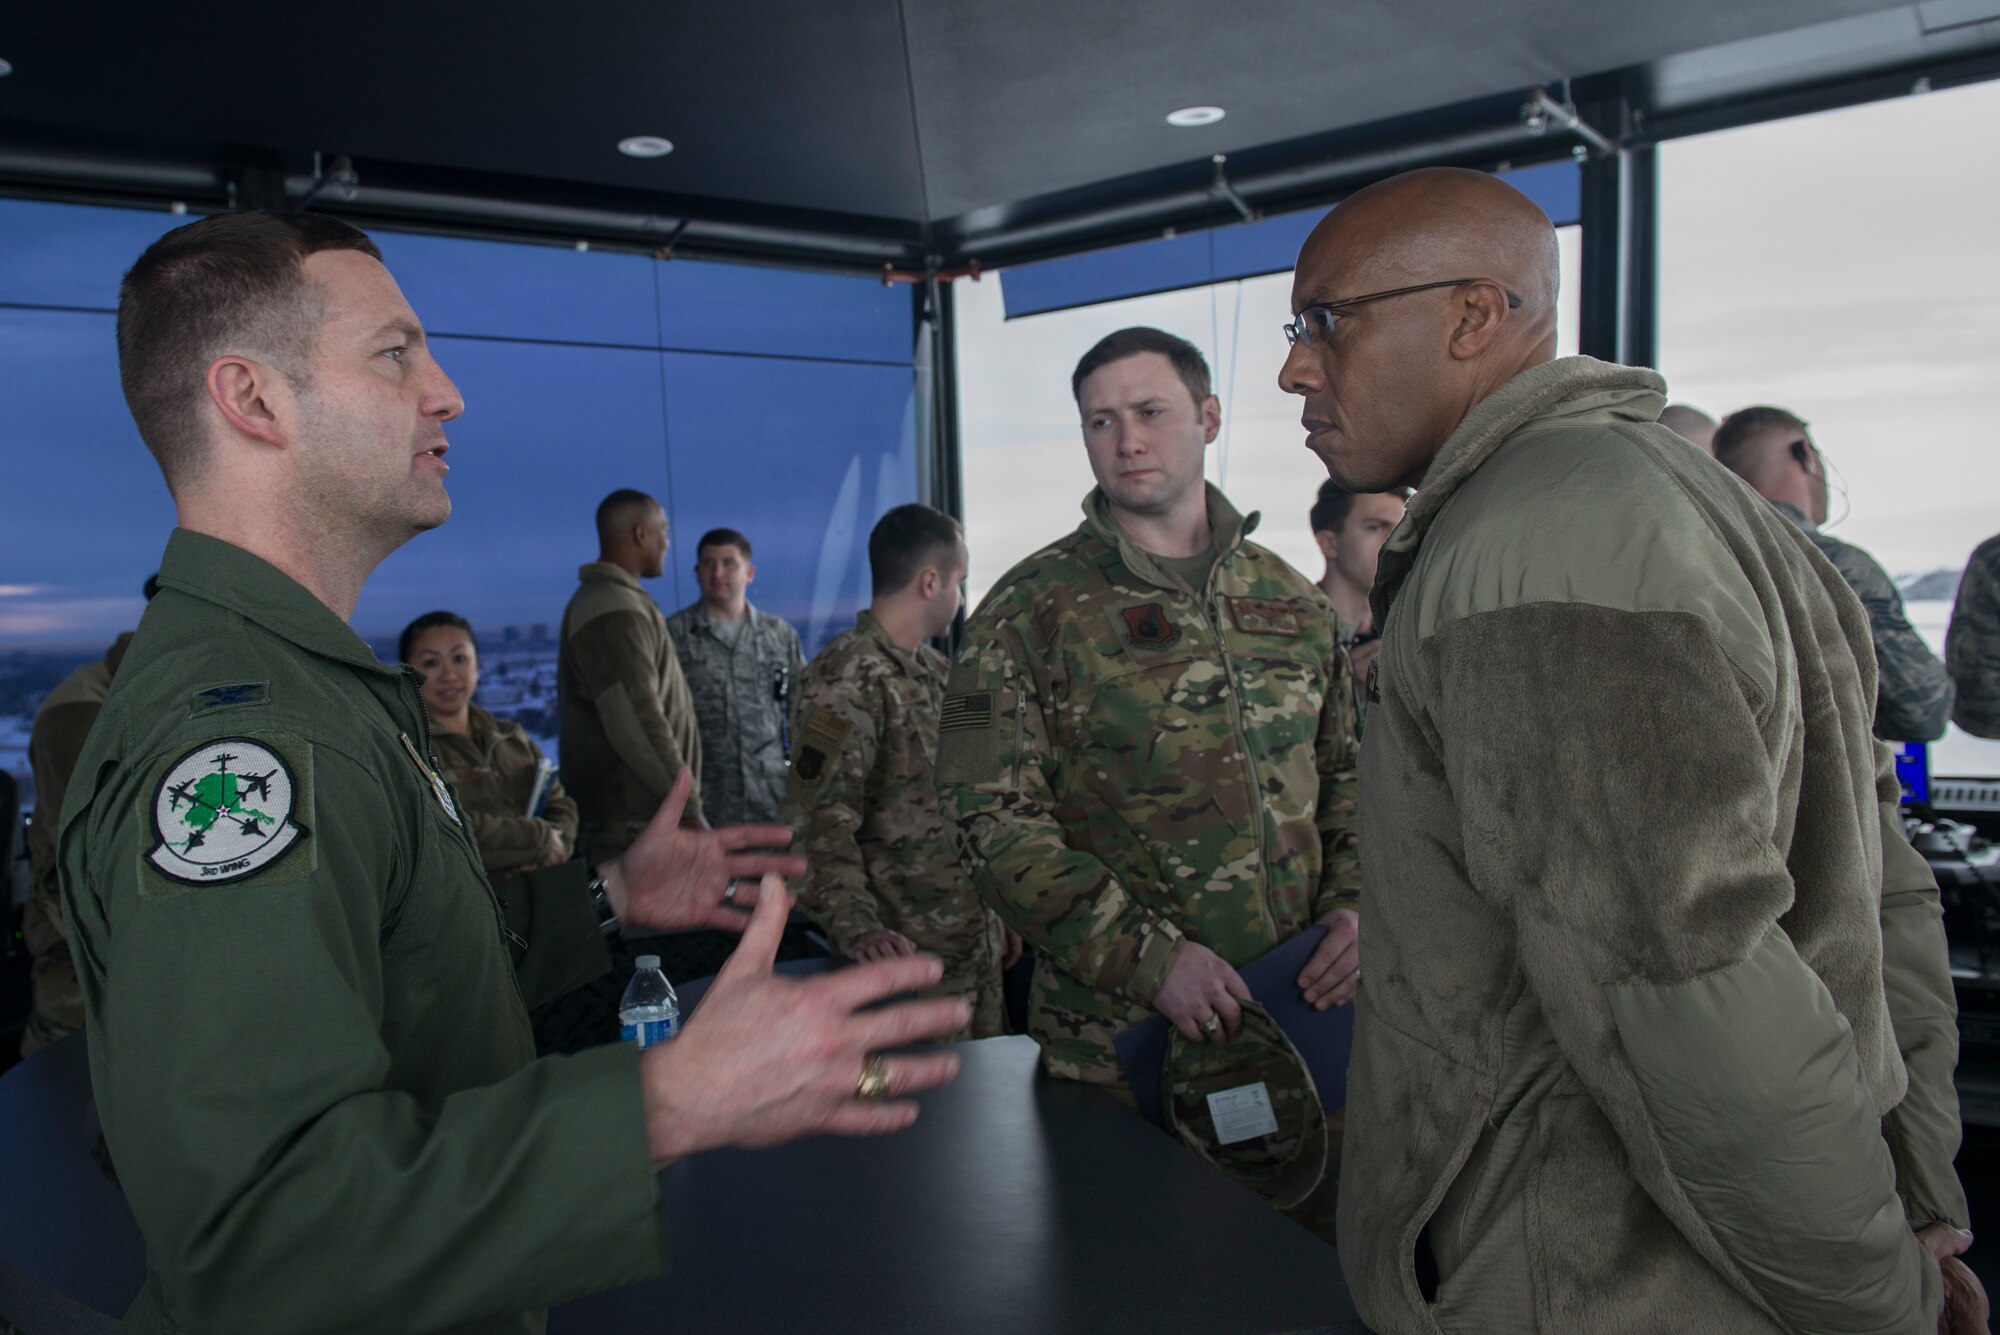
[{"x": 1243, "y": 1113}]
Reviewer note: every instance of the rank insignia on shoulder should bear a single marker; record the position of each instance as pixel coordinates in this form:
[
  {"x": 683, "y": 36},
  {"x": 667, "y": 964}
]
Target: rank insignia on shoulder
[
  {"x": 1266, "y": 616},
  {"x": 224, "y": 812},
  {"x": 1147, "y": 626},
  {"x": 209, "y": 699}
]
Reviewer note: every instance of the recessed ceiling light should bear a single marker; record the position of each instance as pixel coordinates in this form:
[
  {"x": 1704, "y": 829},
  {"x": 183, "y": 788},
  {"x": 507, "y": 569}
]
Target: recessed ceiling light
[
  {"x": 1188, "y": 116},
  {"x": 645, "y": 146}
]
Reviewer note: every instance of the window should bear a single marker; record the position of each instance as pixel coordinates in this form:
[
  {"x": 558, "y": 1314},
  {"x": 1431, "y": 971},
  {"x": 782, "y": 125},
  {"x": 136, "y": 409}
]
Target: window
[
  {"x": 1024, "y": 466},
  {"x": 774, "y": 401},
  {"x": 1842, "y": 266}
]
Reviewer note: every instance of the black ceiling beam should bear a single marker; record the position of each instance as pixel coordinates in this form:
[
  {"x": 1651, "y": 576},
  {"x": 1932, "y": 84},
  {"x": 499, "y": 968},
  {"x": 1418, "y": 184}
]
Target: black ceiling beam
[
  {"x": 1272, "y": 179},
  {"x": 464, "y": 204},
  {"x": 1657, "y": 124}
]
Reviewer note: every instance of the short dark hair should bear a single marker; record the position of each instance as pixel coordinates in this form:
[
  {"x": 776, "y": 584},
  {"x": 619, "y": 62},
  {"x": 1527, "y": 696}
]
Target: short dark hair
[
  {"x": 1335, "y": 502},
  {"x": 619, "y": 511},
  {"x": 431, "y": 621},
  {"x": 1329, "y": 512},
  {"x": 230, "y": 283},
  {"x": 1188, "y": 362},
  {"x": 723, "y": 537},
  {"x": 906, "y": 540},
  {"x": 1735, "y": 432}
]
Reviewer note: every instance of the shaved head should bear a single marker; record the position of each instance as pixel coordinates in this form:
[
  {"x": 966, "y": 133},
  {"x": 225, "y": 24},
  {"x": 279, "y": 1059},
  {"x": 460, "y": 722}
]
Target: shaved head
[
  {"x": 1387, "y": 385},
  {"x": 1691, "y": 424}
]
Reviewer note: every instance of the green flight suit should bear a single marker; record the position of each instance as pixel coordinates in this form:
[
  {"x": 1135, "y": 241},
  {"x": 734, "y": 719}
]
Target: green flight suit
[{"x": 309, "y": 1044}]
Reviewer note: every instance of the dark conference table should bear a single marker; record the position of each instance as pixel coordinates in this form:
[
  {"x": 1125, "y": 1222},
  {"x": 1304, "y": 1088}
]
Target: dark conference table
[{"x": 1015, "y": 1204}]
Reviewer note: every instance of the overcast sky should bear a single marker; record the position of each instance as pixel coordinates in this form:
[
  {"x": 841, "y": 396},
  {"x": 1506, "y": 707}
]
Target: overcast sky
[{"x": 1840, "y": 265}]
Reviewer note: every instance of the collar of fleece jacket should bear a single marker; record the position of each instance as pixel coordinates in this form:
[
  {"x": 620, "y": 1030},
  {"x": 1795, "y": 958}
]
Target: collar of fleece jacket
[{"x": 1554, "y": 389}]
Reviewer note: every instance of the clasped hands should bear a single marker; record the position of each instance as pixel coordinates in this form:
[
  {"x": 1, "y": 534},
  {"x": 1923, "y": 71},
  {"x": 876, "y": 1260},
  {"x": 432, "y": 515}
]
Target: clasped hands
[{"x": 1203, "y": 995}]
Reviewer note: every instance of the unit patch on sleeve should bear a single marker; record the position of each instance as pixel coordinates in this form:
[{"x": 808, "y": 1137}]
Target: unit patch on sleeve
[
  {"x": 821, "y": 736},
  {"x": 1266, "y": 616},
  {"x": 223, "y": 812}
]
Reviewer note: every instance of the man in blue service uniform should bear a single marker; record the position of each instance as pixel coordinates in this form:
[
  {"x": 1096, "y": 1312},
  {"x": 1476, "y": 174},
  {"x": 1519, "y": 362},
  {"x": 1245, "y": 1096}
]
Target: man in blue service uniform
[{"x": 307, "y": 1037}]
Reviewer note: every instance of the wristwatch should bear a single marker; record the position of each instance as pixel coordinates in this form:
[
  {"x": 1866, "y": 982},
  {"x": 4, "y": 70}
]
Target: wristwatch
[{"x": 600, "y": 899}]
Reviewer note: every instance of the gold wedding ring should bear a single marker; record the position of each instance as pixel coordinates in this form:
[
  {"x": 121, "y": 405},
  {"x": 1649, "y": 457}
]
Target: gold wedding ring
[{"x": 873, "y": 1087}]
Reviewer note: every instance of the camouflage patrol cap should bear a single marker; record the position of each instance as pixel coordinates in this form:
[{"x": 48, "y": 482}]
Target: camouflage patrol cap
[{"x": 1249, "y": 1106}]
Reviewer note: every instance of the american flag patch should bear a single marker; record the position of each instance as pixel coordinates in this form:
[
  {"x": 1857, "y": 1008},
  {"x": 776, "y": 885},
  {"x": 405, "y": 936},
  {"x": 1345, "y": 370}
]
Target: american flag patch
[{"x": 963, "y": 713}]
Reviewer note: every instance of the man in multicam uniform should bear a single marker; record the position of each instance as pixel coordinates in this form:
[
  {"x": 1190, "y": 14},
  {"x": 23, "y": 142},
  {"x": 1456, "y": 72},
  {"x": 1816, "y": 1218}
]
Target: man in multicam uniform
[
  {"x": 1770, "y": 449},
  {"x": 742, "y": 667},
  {"x": 1972, "y": 643},
  {"x": 882, "y": 876},
  {"x": 1148, "y": 739}
]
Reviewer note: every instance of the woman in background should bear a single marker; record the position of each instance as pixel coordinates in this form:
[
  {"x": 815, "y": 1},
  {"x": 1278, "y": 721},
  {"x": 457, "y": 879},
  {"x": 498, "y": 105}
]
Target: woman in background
[{"x": 493, "y": 763}]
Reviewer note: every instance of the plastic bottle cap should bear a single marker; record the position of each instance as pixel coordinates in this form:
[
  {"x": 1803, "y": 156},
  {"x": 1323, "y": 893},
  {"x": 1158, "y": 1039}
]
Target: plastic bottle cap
[{"x": 648, "y": 962}]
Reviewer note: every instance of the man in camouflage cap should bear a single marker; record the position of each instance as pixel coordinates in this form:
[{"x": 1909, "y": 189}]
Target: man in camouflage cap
[
  {"x": 882, "y": 876},
  {"x": 1770, "y": 449},
  {"x": 1148, "y": 740},
  {"x": 742, "y": 666},
  {"x": 1972, "y": 643}
]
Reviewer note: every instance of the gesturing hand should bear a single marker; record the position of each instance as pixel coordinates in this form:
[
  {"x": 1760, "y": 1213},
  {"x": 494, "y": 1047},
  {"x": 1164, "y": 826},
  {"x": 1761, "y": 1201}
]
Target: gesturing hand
[
  {"x": 674, "y": 878},
  {"x": 766, "y": 1058},
  {"x": 1334, "y": 971},
  {"x": 1201, "y": 994}
]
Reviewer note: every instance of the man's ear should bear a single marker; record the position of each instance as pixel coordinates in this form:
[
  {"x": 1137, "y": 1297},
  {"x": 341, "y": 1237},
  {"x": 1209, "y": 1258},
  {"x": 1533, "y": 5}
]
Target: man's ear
[
  {"x": 1480, "y": 308},
  {"x": 929, "y": 581},
  {"x": 1329, "y": 545},
  {"x": 250, "y": 397},
  {"x": 1211, "y": 419}
]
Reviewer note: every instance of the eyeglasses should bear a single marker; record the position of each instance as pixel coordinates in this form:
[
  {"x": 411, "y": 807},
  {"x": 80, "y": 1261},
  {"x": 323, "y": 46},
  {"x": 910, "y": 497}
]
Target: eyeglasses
[{"x": 1323, "y": 317}]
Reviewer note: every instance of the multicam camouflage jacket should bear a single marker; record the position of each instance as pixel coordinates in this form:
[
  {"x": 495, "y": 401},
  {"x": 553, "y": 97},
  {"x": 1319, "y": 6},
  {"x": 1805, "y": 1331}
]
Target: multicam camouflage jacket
[
  {"x": 1913, "y": 700},
  {"x": 494, "y": 767},
  {"x": 743, "y": 697},
  {"x": 62, "y": 725},
  {"x": 878, "y": 853},
  {"x": 1129, "y": 764},
  {"x": 1972, "y": 643}
]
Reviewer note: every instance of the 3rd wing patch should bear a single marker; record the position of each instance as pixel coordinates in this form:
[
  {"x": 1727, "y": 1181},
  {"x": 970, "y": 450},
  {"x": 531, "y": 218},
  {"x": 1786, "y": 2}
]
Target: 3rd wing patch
[{"x": 224, "y": 812}]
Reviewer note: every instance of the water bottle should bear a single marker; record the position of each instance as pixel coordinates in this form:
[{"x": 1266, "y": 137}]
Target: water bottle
[{"x": 650, "y": 1012}]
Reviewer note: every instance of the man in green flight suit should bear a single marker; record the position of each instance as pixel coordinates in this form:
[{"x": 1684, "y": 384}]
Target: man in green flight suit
[
  {"x": 308, "y": 1044},
  {"x": 1148, "y": 739}
]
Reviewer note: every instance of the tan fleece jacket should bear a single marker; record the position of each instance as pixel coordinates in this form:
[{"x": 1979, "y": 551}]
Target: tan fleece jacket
[
  {"x": 1647, "y": 958},
  {"x": 628, "y": 721}
]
